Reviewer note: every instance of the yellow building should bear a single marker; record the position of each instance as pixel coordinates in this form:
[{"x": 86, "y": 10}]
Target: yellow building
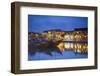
[
  {"x": 69, "y": 36},
  {"x": 80, "y": 34}
]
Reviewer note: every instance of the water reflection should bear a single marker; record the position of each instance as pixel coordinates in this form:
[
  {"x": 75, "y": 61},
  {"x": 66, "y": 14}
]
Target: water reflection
[
  {"x": 63, "y": 50},
  {"x": 48, "y": 48},
  {"x": 77, "y": 47}
]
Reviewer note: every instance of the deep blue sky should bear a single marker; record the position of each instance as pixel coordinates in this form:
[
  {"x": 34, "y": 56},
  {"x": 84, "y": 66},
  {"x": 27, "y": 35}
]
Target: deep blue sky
[{"x": 40, "y": 23}]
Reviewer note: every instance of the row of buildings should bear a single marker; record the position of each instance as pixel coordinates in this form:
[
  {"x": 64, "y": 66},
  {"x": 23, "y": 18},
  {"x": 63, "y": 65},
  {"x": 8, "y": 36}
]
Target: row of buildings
[
  {"x": 80, "y": 34},
  {"x": 76, "y": 39}
]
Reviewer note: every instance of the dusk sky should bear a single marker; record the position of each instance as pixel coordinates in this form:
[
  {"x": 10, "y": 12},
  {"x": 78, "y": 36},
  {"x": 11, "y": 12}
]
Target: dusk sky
[{"x": 40, "y": 23}]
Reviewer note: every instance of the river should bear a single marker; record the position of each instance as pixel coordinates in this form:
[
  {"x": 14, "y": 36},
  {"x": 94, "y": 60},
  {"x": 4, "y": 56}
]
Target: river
[{"x": 66, "y": 50}]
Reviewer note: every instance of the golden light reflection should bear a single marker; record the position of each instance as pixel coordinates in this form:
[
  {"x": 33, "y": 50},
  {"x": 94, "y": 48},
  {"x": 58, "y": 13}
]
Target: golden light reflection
[{"x": 76, "y": 47}]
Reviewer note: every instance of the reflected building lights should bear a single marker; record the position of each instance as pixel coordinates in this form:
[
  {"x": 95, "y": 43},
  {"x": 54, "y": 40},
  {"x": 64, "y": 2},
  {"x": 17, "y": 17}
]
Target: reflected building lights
[
  {"x": 75, "y": 40},
  {"x": 76, "y": 47}
]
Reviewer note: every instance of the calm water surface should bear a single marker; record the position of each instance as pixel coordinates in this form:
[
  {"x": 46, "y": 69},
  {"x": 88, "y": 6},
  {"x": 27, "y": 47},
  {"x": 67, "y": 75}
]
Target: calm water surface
[{"x": 54, "y": 54}]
